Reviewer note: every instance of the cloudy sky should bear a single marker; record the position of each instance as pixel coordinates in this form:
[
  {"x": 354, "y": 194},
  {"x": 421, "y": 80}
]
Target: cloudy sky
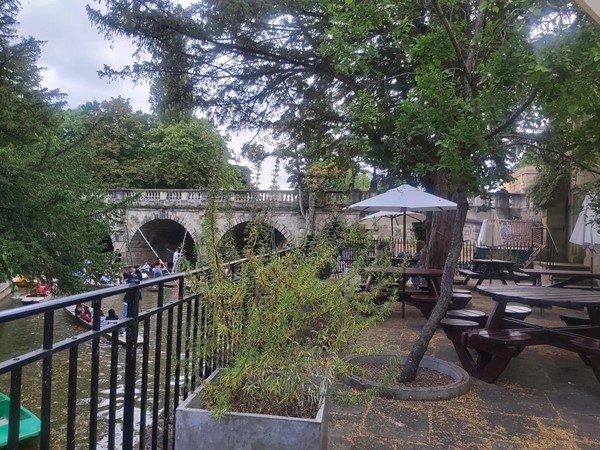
[{"x": 74, "y": 52}]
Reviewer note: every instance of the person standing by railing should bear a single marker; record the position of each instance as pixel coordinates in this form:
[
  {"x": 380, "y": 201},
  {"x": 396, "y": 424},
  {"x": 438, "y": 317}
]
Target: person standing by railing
[{"x": 134, "y": 277}]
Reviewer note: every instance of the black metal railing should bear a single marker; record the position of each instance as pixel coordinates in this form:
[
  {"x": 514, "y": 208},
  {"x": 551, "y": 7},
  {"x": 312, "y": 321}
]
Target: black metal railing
[
  {"x": 145, "y": 381},
  {"x": 520, "y": 252}
]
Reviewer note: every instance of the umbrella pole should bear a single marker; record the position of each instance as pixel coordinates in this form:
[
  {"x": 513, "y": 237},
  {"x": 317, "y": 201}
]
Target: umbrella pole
[
  {"x": 404, "y": 231},
  {"x": 591, "y": 266}
]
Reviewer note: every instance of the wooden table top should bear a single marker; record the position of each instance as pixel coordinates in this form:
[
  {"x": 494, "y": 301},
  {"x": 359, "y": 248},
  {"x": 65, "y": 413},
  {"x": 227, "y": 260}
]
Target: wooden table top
[
  {"x": 492, "y": 261},
  {"x": 410, "y": 271},
  {"x": 561, "y": 272},
  {"x": 542, "y": 295}
]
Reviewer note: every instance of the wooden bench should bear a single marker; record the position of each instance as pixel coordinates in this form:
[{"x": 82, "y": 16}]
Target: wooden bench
[
  {"x": 424, "y": 303},
  {"x": 504, "y": 276},
  {"x": 468, "y": 274},
  {"x": 517, "y": 312},
  {"x": 469, "y": 314},
  {"x": 455, "y": 327},
  {"x": 461, "y": 291},
  {"x": 459, "y": 301},
  {"x": 573, "y": 319},
  {"x": 587, "y": 344},
  {"x": 495, "y": 349},
  {"x": 520, "y": 276},
  {"x": 589, "y": 351},
  {"x": 501, "y": 337}
]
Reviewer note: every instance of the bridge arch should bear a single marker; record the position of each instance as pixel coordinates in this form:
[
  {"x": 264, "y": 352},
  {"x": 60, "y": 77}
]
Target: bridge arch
[
  {"x": 158, "y": 237},
  {"x": 237, "y": 235}
]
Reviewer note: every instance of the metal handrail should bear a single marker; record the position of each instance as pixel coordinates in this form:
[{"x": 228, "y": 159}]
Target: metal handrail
[{"x": 167, "y": 380}]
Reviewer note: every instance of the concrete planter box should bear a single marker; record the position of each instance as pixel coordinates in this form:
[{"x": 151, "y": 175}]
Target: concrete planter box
[
  {"x": 195, "y": 429},
  {"x": 460, "y": 385}
]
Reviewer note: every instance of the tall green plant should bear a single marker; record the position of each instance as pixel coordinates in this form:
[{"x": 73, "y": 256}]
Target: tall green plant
[
  {"x": 284, "y": 325},
  {"x": 276, "y": 324}
]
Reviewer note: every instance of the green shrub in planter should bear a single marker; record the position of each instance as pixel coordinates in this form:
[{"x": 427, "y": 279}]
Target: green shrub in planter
[{"x": 284, "y": 326}]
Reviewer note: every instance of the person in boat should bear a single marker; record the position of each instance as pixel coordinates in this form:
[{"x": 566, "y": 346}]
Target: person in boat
[
  {"x": 106, "y": 279},
  {"x": 78, "y": 309},
  {"x": 83, "y": 312},
  {"x": 176, "y": 255},
  {"x": 42, "y": 288},
  {"x": 112, "y": 316},
  {"x": 159, "y": 266},
  {"x": 133, "y": 276},
  {"x": 145, "y": 268}
]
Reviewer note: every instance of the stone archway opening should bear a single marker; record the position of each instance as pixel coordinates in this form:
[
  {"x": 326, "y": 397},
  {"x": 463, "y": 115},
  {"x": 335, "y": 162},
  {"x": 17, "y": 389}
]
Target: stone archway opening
[
  {"x": 234, "y": 241},
  {"x": 159, "y": 237}
]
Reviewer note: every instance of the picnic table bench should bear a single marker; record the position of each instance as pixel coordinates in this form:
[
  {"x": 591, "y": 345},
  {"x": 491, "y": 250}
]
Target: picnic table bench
[
  {"x": 570, "y": 277},
  {"x": 485, "y": 352},
  {"x": 492, "y": 269}
]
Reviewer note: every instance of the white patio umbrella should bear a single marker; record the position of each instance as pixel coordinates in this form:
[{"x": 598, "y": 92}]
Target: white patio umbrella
[
  {"x": 411, "y": 217},
  {"x": 586, "y": 232},
  {"x": 403, "y": 199},
  {"x": 490, "y": 235}
]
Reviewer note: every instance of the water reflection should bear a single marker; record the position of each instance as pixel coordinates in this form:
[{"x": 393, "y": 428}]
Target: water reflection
[{"x": 24, "y": 335}]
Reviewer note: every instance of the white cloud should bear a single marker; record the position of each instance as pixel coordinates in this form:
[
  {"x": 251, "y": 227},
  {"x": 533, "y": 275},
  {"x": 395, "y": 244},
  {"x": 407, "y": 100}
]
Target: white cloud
[{"x": 75, "y": 51}]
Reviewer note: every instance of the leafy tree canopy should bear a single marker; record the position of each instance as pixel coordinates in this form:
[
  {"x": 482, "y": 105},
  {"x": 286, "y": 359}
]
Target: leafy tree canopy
[
  {"x": 134, "y": 150},
  {"x": 187, "y": 154},
  {"x": 437, "y": 91},
  {"x": 53, "y": 214}
]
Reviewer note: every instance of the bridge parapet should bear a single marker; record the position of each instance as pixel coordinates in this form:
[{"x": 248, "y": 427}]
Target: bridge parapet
[
  {"x": 159, "y": 198},
  {"x": 284, "y": 199}
]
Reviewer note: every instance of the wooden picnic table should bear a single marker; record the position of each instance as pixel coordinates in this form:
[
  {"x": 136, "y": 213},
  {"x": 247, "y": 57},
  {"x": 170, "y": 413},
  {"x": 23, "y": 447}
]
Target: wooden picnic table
[
  {"x": 402, "y": 274},
  {"x": 491, "y": 269},
  {"x": 571, "y": 276},
  {"x": 485, "y": 353}
]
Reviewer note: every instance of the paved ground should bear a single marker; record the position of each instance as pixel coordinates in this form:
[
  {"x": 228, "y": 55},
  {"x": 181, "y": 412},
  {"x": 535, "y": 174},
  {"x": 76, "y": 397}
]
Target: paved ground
[{"x": 547, "y": 398}]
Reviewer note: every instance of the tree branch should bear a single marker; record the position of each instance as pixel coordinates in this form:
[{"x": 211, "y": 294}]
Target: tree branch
[
  {"x": 570, "y": 158},
  {"x": 456, "y": 45},
  {"x": 513, "y": 117},
  {"x": 474, "y": 45}
]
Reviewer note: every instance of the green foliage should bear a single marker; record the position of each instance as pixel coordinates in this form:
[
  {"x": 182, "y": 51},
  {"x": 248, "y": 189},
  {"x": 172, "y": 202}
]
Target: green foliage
[
  {"x": 186, "y": 155},
  {"x": 132, "y": 150},
  {"x": 53, "y": 210},
  {"x": 569, "y": 99},
  {"x": 280, "y": 320},
  {"x": 118, "y": 138},
  {"x": 293, "y": 324}
]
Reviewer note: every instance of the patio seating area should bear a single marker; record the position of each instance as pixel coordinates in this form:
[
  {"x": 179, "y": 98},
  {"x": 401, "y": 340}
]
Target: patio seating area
[{"x": 547, "y": 398}]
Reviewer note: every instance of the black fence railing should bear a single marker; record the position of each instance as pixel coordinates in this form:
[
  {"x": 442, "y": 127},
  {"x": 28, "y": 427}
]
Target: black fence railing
[
  {"x": 520, "y": 252},
  {"x": 92, "y": 390},
  {"x": 90, "y": 387}
]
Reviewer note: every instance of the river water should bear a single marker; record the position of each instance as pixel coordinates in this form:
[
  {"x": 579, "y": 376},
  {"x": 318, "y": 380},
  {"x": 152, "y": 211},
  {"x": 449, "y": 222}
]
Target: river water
[{"x": 25, "y": 335}]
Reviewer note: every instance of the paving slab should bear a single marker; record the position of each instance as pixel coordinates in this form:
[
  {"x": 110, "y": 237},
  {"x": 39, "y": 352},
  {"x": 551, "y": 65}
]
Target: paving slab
[{"x": 547, "y": 398}]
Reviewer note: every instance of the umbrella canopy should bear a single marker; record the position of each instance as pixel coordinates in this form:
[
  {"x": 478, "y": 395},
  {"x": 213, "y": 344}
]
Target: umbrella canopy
[
  {"x": 411, "y": 217},
  {"x": 403, "y": 199},
  {"x": 490, "y": 235},
  {"x": 586, "y": 232}
]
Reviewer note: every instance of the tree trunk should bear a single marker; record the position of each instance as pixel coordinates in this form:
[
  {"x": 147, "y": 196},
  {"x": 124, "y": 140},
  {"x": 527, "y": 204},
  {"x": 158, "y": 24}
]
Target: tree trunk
[
  {"x": 442, "y": 223},
  {"x": 310, "y": 216},
  {"x": 409, "y": 369},
  {"x": 438, "y": 244}
]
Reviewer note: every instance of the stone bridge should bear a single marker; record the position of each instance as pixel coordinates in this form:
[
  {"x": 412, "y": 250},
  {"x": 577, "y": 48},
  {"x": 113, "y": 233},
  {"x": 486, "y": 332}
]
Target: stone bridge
[{"x": 160, "y": 220}]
